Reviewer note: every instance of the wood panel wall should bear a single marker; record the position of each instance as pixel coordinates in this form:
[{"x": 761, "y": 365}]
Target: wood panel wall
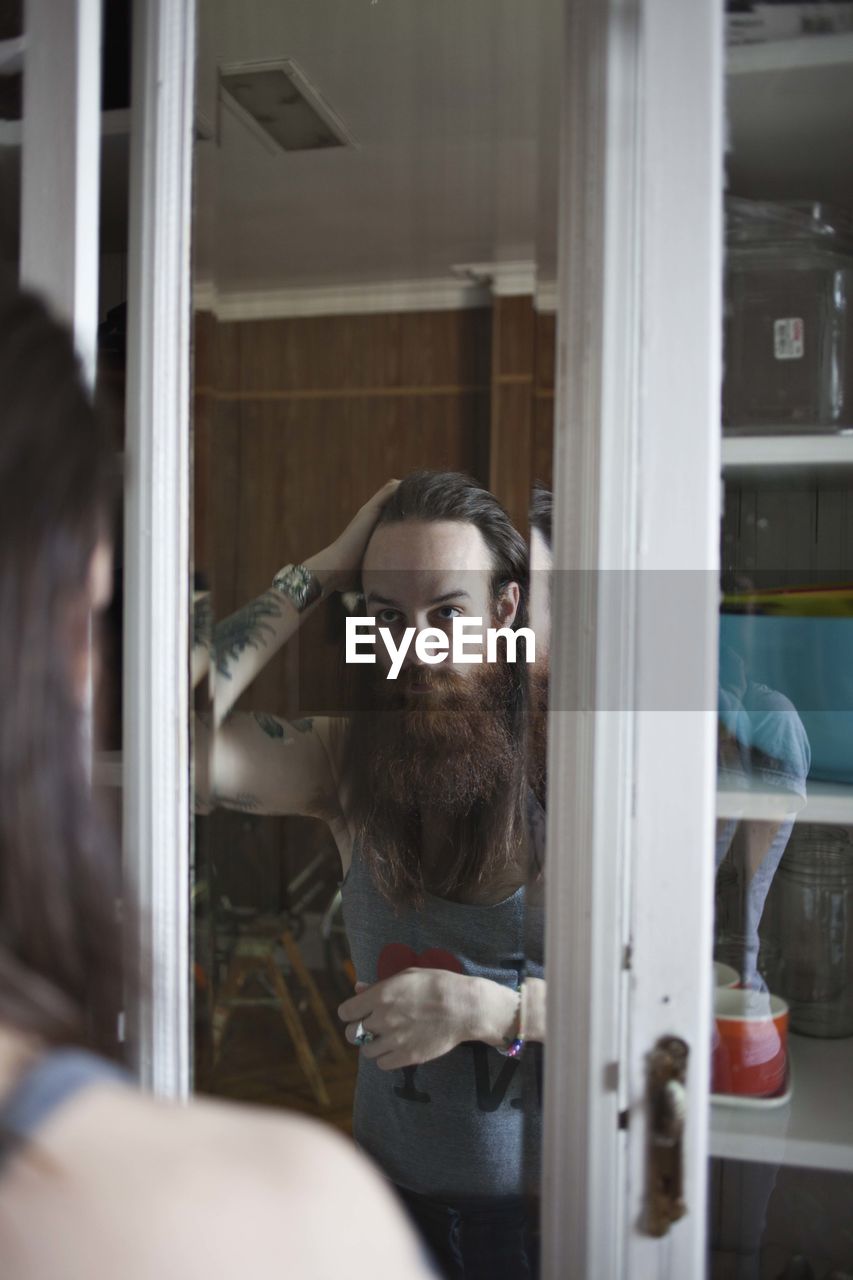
[{"x": 522, "y": 403}]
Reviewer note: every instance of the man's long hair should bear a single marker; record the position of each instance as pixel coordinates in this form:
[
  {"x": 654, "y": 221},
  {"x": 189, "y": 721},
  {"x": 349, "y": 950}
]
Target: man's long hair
[
  {"x": 60, "y": 954},
  {"x": 475, "y": 748},
  {"x": 540, "y": 514}
]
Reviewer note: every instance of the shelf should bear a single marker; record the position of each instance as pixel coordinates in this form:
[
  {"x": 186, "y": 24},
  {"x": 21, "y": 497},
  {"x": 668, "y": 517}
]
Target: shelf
[
  {"x": 814, "y": 1130},
  {"x": 826, "y": 802},
  {"x": 778, "y": 456},
  {"x": 833, "y": 50}
]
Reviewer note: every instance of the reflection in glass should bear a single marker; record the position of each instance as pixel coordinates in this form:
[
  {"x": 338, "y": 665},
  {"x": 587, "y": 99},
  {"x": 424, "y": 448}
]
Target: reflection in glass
[
  {"x": 779, "y": 1202},
  {"x": 370, "y": 310}
]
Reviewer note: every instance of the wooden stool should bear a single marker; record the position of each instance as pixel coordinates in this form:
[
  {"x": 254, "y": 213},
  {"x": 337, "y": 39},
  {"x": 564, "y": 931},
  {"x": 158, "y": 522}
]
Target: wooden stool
[{"x": 254, "y": 956}]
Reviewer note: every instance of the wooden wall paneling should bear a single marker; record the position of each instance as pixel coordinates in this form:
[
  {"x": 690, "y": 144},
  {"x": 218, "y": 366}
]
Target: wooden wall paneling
[
  {"x": 542, "y": 443},
  {"x": 204, "y": 349},
  {"x": 225, "y": 481},
  {"x": 226, "y": 374},
  {"x": 546, "y": 350},
  {"x": 512, "y": 381},
  {"x": 200, "y": 443},
  {"x": 204, "y": 357},
  {"x": 447, "y": 348}
]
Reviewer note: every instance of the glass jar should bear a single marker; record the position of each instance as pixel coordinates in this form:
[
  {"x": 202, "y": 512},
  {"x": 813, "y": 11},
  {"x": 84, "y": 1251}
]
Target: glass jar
[
  {"x": 808, "y": 927},
  {"x": 788, "y": 324},
  {"x": 729, "y": 940}
]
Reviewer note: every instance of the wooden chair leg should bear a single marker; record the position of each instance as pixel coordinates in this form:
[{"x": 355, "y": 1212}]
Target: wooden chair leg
[
  {"x": 318, "y": 1004},
  {"x": 293, "y": 1022},
  {"x": 234, "y": 979}
]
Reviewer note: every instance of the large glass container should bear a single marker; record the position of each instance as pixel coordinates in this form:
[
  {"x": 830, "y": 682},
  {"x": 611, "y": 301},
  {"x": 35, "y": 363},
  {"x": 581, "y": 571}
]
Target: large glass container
[
  {"x": 808, "y": 931},
  {"x": 788, "y": 335}
]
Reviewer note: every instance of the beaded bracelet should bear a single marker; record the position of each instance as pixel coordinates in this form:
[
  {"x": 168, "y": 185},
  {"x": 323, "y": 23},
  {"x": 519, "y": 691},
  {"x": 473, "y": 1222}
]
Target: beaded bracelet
[{"x": 513, "y": 1047}]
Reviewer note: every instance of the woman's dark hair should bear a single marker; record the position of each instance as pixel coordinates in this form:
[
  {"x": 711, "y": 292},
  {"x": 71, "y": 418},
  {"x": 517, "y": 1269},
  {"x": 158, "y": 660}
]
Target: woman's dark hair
[
  {"x": 60, "y": 953},
  {"x": 450, "y": 495}
]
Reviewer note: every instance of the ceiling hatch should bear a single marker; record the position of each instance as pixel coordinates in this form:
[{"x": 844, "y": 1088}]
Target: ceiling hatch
[{"x": 277, "y": 101}]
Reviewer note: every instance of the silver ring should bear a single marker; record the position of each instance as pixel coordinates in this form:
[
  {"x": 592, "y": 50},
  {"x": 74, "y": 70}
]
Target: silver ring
[{"x": 362, "y": 1035}]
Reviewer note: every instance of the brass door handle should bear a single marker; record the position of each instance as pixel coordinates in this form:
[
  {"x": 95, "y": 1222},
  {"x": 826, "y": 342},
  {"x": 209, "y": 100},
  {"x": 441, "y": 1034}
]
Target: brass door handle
[{"x": 667, "y": 1101}]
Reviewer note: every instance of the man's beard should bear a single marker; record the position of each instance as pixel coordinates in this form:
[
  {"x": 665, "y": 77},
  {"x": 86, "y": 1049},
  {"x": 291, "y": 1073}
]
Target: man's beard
[
  {"x": 453, "y": 749},
  {"x": 446, "y": 746}
]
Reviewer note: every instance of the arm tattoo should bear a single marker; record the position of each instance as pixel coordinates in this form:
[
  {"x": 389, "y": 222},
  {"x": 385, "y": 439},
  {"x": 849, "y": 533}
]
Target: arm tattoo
[
  {"x": 202, "y": 622},
  {"x": 272, "y": 728},
  {"x": 243, "y": 801},
  {"x": 244, "y": 630},
  {"x": 303, "y": 726}
]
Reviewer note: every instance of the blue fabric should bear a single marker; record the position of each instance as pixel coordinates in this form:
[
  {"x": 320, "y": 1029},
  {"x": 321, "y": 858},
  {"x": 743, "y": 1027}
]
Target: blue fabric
[
  {"x": 805, "y": 664},
  {"x": 772, "y": 750},
  {"x": 53, "y": 1081},
  {"x": 774, "y": 746}
]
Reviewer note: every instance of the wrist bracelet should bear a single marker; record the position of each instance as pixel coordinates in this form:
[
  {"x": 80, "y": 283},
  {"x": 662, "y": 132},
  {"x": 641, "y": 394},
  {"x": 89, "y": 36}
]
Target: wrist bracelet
[
  {"x": 513, "y": 1046},
  {"x": 299, "y": 585}
]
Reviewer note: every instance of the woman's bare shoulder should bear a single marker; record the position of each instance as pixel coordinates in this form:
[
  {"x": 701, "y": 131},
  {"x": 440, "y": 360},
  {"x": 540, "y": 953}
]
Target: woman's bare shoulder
[{"x": 223, "y": 1187}]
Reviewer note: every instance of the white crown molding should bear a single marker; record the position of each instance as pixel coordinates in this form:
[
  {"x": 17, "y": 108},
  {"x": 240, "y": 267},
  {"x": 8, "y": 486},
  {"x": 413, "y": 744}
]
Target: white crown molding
[
  {"x": 511, "y": 280},
  {"x": 204, "y": 296},
  {"x": 545, "y": 297},
  {"x": 328, "y": 300},
  {"x": 503, "y": 279},
  {"x": 472, "y": 285}
]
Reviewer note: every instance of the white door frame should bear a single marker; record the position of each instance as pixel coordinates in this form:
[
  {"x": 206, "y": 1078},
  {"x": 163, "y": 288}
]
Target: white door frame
[
  {"x": 157, "y": 559},
  {"x": 61, "y": 164},
  {"x": 631, "y": 783}
]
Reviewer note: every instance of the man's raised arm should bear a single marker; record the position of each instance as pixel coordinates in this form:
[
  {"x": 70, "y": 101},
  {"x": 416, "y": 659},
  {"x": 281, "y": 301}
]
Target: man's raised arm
[{"x": 244, "y": 643}]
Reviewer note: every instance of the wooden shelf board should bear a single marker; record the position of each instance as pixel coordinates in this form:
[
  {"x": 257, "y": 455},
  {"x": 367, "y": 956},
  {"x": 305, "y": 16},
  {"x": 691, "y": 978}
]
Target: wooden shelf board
[
  {"x": 781, "y": 454},
  {"x": 814, "y": 1130},
  {"x": 830, "y": 50}
]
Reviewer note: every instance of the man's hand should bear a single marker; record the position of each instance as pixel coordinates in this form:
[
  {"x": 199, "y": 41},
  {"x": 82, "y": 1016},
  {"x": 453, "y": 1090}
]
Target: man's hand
[
  {"x": 421, "y": 1014},
  {"x": 338, "y": 566}
]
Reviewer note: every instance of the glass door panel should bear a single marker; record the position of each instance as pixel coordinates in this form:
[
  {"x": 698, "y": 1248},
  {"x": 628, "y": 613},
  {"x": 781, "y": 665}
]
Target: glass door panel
[{"x": 781, "y": 1129}]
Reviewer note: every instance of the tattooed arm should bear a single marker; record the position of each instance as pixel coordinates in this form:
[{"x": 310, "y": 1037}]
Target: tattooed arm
[
  {"x": 202, "y": 637},
  {"x": 245, "y": 641}
]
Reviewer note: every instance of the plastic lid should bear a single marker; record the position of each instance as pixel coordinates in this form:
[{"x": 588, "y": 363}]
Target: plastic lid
[{"x": 758, "y": 222}]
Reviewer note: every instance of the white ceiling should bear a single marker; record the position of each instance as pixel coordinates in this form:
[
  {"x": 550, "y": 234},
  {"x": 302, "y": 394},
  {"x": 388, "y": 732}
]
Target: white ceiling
[{"x": 454, "y": 106}]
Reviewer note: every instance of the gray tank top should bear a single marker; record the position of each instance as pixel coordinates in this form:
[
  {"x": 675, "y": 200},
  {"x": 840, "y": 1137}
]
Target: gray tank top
[{"x": 468, "y": 1123}]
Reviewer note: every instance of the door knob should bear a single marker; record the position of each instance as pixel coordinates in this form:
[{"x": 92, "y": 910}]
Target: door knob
[{"x": 667, "y": 1102}]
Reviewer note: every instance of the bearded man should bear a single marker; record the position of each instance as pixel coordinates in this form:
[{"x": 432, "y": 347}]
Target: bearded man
[{"x": 425, "y": 789}]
